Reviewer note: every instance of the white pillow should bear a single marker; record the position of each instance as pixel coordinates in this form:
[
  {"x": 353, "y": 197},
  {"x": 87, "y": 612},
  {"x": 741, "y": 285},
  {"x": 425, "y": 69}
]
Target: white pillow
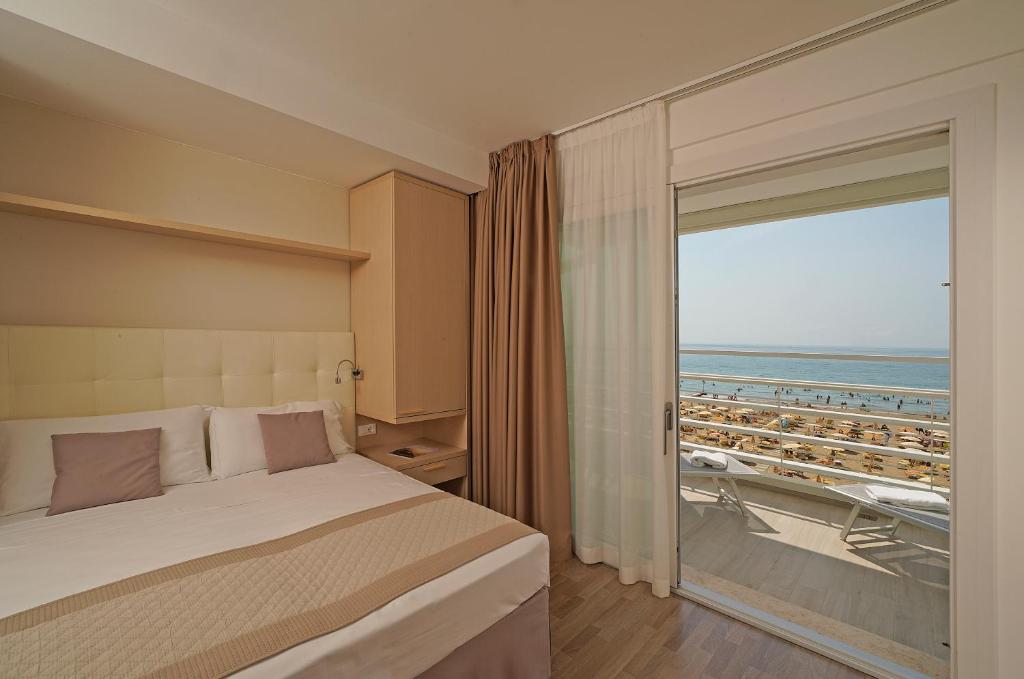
[
  {"x": 236, "y": 441},
  {"x": 26, "y": 451}
]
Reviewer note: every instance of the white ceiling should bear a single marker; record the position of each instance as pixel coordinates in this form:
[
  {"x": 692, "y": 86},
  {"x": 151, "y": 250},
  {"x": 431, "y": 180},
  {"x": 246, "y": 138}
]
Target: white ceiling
[
  {"x": 53, "y": 69},
  {"x": 489, "y": 73},
  {"x": 358, "y": 83}
]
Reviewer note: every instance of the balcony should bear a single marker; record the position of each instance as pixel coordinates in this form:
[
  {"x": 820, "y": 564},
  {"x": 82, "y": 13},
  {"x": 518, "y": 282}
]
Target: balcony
[{"x": 885, "y": 593}]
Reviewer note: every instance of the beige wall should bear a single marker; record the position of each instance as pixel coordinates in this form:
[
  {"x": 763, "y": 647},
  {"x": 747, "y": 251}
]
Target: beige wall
[
  {"x": 65, "y": 273},
  {"x": 964, "y": 45}
]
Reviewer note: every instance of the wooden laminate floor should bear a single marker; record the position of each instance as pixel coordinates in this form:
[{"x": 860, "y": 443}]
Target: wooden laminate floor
[{"x": 601, "y": 628}]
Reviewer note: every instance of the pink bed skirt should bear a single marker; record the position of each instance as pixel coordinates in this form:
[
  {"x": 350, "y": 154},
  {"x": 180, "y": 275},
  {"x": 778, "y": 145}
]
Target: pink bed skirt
[{"x": 516, "y": 647}]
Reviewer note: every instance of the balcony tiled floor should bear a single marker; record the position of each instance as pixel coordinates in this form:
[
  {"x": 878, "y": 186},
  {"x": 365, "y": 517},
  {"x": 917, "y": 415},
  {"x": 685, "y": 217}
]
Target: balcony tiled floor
[{"x": 887, "y": 596}]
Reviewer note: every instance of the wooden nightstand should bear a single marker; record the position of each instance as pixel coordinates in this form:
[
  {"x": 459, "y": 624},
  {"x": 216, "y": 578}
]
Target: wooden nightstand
[{"x": 444, "y": 467}]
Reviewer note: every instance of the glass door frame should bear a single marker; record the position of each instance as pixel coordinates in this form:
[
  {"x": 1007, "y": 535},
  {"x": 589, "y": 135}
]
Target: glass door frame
[
  {"x": 969, "y": 117},
  {"x": 777, "y": 625}
]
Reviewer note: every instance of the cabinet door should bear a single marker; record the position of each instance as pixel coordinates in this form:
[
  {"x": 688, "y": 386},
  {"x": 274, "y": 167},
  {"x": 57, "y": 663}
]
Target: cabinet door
[
  {"x": 431, "y": 300},
  {"x": 370, "y": 223}
]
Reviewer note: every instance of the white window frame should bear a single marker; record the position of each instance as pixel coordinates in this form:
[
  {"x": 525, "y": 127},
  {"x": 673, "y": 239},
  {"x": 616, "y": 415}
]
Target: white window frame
[{"x": 969, "y": 115}]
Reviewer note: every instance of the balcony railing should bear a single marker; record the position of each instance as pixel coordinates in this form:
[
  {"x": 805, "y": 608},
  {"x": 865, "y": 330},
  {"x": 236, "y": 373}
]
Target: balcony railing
[{"x": 817, "y": 443}]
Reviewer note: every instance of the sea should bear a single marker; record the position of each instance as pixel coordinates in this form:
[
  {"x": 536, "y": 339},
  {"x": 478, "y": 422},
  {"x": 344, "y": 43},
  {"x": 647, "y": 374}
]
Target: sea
[{"x": 882, "y": 373}]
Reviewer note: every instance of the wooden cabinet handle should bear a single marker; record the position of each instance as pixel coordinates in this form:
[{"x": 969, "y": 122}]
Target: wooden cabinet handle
[{"x": 433, "y": 467}]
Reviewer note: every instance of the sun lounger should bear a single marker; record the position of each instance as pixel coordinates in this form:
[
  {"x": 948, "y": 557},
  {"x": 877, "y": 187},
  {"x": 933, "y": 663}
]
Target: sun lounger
[
  {"x": 857, "y": 493},
  {"x": 734, "y": 469}
]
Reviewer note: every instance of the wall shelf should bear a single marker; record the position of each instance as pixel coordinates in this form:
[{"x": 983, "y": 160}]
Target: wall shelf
[{"x": 41, "y": 207}]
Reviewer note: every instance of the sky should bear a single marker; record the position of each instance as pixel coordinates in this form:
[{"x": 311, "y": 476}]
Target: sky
[{"x": 866, "y": 278}]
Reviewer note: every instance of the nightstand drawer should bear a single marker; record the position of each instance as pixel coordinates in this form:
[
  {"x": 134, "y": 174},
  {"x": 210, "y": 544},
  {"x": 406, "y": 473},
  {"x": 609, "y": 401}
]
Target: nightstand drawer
[{"x": 440, "y": 471}]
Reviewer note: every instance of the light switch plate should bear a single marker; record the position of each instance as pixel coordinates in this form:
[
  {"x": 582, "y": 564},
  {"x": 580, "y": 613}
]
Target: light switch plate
[{"x": 367, "y": 429}]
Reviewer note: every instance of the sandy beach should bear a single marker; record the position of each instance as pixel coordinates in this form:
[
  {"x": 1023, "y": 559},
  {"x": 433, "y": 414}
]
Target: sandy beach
[{"x": 825, "y": 425}]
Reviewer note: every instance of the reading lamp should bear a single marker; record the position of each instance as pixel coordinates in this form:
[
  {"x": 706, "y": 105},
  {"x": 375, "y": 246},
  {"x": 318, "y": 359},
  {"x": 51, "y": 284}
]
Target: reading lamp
[{"x": 357, "y": 373}]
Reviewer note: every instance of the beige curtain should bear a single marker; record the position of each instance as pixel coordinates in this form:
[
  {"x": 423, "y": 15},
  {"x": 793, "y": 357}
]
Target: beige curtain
[{"x": 519, "y": 424}]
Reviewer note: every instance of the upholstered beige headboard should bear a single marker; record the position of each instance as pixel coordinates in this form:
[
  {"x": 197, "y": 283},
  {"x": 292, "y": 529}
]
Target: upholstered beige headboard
[{"x": 51, "y": 371}]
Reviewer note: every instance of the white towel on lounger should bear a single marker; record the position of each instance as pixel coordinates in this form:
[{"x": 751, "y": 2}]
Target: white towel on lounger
[
  {"x": 906, "y": 497},
  {"x": 701, "y": 458}
]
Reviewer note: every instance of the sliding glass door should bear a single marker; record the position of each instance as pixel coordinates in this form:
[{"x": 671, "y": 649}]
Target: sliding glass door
[{"x": 814, "y": 416}]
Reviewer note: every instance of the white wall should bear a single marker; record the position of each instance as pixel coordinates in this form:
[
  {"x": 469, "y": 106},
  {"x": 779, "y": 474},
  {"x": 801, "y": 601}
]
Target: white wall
[
  {"x": 66, "y": 273},
  {"x": 964, "y": 45},
  {"x": 155, "y": 32}
]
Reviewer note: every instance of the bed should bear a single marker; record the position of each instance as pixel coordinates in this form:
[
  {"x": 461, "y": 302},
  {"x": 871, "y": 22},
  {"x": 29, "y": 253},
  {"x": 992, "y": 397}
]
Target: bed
[
  {"x": 51, "y": 557},
  {"x": 481, "y": 619}
]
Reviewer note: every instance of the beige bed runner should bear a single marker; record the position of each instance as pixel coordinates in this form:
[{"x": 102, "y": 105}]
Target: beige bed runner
[{"x": 214, "y": 615}]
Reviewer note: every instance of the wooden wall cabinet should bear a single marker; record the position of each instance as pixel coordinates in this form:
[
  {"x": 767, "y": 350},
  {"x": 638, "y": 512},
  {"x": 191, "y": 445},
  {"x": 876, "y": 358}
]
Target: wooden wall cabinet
[{"x": 410, "y": 301}]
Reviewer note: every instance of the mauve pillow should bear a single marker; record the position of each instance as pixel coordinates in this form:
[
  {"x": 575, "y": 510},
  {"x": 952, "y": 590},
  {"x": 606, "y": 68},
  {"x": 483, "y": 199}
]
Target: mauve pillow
[
  {"x": 100, "y": 469},
  {"x": 293, "y": 440}
]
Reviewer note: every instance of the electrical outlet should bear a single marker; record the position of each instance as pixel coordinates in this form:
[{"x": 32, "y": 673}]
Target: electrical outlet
[{"x": 367, "y": 429}]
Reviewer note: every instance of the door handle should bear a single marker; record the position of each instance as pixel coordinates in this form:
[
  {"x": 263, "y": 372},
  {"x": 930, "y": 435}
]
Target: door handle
[{"x": 668, "y": 427}]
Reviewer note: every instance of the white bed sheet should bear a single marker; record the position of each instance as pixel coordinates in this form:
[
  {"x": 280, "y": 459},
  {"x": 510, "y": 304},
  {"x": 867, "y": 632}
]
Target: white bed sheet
[{"x": 44, "y": 558}]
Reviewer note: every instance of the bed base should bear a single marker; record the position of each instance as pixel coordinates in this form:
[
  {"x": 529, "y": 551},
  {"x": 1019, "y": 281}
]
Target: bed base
[{"x": 516, "y": 647}]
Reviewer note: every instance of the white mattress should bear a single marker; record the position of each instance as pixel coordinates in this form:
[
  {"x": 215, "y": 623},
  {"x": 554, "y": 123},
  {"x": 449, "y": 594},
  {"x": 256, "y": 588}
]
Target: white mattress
[{"x": 44, "y": 558}]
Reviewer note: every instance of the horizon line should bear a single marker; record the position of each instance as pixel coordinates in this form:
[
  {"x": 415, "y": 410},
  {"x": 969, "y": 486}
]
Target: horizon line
[{"x": 813, "y": 346}]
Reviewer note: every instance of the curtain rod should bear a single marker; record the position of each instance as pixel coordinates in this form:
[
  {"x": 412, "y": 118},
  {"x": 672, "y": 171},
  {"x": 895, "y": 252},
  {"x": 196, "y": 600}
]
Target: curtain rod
[{"x": 871, "y": 22}]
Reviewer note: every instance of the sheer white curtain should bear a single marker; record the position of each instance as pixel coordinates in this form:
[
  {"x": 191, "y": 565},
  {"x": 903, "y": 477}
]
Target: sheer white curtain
[{"x": 617, "y": 284}]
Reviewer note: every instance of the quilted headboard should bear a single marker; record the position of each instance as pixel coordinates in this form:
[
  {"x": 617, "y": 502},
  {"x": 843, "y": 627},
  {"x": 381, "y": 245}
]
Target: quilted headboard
[{"x": 52, "y": 371}]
